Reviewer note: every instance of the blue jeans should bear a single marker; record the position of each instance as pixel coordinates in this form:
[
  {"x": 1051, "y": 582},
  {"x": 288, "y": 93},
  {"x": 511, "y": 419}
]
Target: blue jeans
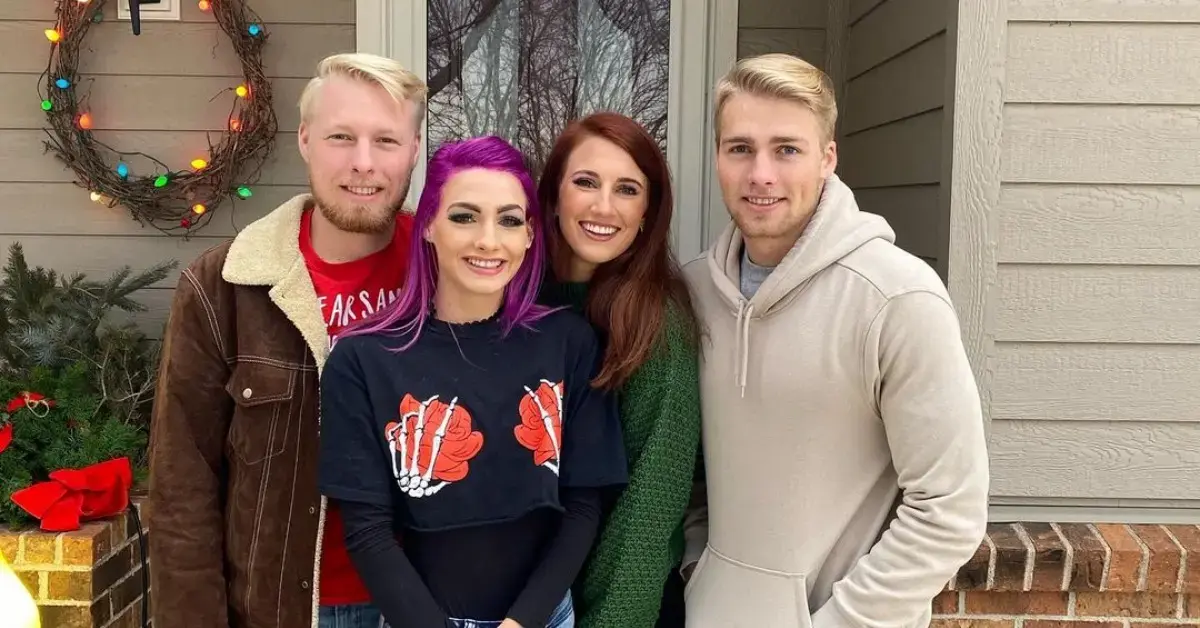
[
  {"x": 366, "y": 616},
  {"x": 350, "y": 616},
  {"x": 563, "y": 616}
]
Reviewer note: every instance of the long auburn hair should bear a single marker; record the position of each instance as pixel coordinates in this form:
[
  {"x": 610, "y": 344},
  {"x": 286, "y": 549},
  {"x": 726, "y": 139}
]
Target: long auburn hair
[
  {"x": 409, "y": 312},
  {"x": 629, "y": 296}
]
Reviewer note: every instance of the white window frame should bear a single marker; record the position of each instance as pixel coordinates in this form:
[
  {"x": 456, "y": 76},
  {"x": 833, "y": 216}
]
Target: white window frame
[{"x": 703, "y": 47}]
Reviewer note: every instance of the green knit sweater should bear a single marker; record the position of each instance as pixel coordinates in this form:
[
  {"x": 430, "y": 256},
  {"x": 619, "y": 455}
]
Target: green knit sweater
[{"x": 641, "y": 540}]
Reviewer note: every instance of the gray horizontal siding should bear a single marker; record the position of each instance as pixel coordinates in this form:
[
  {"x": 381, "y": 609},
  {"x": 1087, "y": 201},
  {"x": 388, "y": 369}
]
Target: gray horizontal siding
[{"x": 151, "y": 93}]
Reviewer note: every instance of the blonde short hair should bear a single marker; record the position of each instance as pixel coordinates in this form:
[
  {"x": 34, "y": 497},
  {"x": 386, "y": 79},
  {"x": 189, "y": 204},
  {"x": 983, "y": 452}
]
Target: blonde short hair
[
  {"x": 782, "y": 76},
  {"x": 387, "y": 73}
]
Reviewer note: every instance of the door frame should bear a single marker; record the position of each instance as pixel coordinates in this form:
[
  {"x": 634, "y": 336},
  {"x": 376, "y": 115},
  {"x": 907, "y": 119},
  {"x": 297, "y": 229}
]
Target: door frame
[{"x": 703, "y": 47}]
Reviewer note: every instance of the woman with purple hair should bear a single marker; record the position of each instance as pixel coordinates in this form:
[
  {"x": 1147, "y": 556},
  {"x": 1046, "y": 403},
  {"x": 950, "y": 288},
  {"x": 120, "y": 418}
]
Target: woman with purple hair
[{"x": 460, "y": 435}]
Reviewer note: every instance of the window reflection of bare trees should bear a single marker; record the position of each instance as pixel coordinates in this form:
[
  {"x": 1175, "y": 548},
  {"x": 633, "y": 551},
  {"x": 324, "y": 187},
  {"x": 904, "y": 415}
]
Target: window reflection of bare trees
[{"x": 523, "y": 68}]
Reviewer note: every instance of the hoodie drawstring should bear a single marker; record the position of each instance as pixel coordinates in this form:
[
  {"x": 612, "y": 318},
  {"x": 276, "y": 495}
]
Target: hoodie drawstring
[{"x": 745, "y": 310}]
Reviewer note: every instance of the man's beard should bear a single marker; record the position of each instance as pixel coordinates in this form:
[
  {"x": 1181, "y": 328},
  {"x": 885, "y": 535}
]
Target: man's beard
[{"x": 361, "y": 218}]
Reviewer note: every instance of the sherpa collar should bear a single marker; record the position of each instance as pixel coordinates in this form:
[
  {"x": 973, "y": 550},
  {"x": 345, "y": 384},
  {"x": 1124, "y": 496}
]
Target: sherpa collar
[{"x": 267, "y": 253}]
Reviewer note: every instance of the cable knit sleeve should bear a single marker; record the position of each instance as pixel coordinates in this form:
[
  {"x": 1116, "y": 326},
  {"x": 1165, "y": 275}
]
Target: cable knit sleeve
[
  {"x": 623, "y": 585},
  {"x": 929, "y": 403}
]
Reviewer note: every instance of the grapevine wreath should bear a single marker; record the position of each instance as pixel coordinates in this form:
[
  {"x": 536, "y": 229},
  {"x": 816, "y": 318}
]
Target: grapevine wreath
[{"x": 169, "y": 200}]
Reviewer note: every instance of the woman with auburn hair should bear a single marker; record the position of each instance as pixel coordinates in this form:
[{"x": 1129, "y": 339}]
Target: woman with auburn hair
[
  {"x": 462, "y": 416},
  {"x": 606, "y": 190}
]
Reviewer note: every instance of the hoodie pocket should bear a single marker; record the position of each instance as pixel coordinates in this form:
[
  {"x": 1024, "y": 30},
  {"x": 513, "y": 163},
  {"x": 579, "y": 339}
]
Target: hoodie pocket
[{"x": 725, "y": 593}]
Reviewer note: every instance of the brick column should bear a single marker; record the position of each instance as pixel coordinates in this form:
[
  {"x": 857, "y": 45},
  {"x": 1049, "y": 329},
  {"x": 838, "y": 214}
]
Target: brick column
[
  {"x": 88, "y": 578},
  {"x": 1073, "y": 575}
]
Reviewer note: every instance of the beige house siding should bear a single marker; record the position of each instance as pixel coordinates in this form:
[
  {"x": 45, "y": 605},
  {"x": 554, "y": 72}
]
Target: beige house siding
[
  {"x": 150, "y": 93},
  {"x": 892, "y": 90},
  {"x": 1094, "y": 306}
]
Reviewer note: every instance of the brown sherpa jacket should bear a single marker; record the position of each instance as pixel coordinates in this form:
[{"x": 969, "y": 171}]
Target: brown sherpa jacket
[{"x": 235, "y": 514}]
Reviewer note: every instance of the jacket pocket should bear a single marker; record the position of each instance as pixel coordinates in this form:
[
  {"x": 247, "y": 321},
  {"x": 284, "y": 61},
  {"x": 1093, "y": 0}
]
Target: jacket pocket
[
  {"x": 725, "y": 593},
  {"x": 263, "y": 393}
]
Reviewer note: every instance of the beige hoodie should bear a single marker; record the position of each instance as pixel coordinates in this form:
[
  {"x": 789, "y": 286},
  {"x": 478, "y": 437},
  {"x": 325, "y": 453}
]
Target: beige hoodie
[{"x": 846, "y": 464}]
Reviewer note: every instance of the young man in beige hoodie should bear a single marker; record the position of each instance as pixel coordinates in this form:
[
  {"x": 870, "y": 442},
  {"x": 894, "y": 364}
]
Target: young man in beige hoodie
[{"x": 845, "y": 459}]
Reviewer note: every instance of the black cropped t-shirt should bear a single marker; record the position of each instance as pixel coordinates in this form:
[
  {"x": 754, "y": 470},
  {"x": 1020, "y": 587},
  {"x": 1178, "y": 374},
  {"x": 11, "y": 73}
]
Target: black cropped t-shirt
[{"x": 478, "y": 449}]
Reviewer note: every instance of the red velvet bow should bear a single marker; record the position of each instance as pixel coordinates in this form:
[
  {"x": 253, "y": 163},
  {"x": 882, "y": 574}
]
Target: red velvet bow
[{"x": 74, "y": 495}]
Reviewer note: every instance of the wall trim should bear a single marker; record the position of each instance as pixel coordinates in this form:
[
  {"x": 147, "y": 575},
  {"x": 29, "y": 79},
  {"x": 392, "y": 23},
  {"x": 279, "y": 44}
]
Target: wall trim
[
  {"x": 837, "y": 26},
  {"x": 1094, "y": 514},
  {"x": 1094, "y": 510},
  {"x": 703, "y": 45},
  {"x": 706, "y": 48},
  {"x": 977, "y": 114}
]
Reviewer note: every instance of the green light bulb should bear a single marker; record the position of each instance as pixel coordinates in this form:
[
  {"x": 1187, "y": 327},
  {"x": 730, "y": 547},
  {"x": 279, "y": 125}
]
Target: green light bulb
[
  {"x": 244, "y": 192},
  {"x": 47, "y": 105},
  {"x": 161, "y": 181}
]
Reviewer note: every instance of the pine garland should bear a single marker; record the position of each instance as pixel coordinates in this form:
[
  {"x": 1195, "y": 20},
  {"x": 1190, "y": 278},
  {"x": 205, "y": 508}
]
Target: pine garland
[{"x": 57, "y": 342}]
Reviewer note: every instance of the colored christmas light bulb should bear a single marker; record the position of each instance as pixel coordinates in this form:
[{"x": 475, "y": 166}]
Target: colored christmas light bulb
[
  {"x": 47, "y": 105},
  {"x": 235, "y": 124},
  {"x": 96, "y": 196},
  {"x": 161, "y": 181},
  {"x": 242, "y": 91},
  {"x": 122, "y": 170},
  {"x": 205, "y": 5},
  {"x": 53, "y": 35},
  {"x": 255, "y": 29},
  {"x": 62, "y": 83},
  {"x": 185, "y": 223},
  {"x": 198, "y": 209},
  {"x": 244, "y": 192},
  {"x": 199, "y": 164},
  {"x": 85, "y": 121},
  {"x": 97, "y": 17}
]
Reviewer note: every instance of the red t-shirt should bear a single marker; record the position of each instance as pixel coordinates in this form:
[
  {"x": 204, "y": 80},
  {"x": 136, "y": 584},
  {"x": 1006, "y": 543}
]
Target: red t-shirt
[{"x": 349, "y": 292}]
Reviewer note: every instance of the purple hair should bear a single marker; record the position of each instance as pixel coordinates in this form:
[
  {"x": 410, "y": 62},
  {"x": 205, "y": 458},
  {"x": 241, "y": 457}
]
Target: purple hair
[{"x": 409, "y": 312}]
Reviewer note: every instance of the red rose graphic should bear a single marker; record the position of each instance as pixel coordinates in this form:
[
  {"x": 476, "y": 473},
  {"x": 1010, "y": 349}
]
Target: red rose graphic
[
  {"x": 541, "y": 424},
  {"x": 431, "y": 444}
]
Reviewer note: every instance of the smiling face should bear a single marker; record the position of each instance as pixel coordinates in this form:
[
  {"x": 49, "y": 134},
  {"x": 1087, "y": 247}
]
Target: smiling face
[
  {"x": 360, "y": 145},
  {"x": 480, "y": 235},
  {"x": 602, "y": 199},
  {"x": 772, "y": 163}
]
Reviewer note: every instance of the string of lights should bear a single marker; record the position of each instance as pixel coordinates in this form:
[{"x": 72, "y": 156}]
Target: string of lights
[{"x": 172, "y": 200}]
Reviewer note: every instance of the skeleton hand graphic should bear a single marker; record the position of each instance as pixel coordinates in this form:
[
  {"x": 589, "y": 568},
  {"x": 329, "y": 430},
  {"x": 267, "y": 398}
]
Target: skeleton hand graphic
[
  {"x": 431, "y": 445},
  {"x": 541, "y": 424}
]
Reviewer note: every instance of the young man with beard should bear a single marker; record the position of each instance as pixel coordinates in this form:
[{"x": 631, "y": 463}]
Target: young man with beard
[
  {"x": 242, "y": 535},
  {"x": 846, "y": 465}
]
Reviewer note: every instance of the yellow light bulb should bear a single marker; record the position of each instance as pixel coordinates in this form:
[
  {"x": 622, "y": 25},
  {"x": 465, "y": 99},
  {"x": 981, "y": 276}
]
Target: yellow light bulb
[
  {"x": 96, "y": 196},
  {"x": 15, "y": 599},
  {"x": 242, "y": 91},
  {"x": 199, "y": 209},
  {"x": 53, "y": 35},
  {"x": 199, "y": 164}
]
